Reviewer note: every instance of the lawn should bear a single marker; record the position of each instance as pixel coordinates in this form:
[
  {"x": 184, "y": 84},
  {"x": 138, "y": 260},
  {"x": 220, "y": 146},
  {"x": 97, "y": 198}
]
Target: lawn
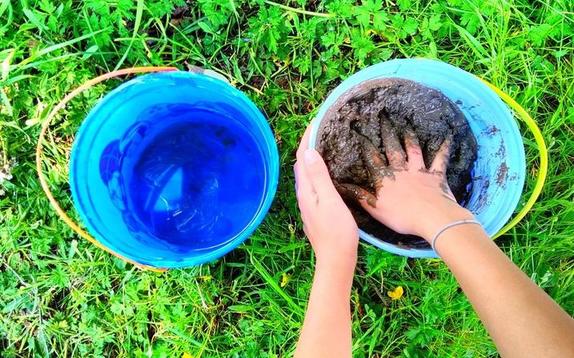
[{"x": 61, "y": 296}]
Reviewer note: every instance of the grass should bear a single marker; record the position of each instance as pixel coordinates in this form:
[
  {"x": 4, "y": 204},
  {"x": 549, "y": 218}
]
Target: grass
[{"x": 61, "y": 296}]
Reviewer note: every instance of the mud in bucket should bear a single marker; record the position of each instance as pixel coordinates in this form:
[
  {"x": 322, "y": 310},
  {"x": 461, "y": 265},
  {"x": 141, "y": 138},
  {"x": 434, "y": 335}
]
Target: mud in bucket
[
  {"x": 173, "y": 169},
  {"x": 499, "y": 172}
]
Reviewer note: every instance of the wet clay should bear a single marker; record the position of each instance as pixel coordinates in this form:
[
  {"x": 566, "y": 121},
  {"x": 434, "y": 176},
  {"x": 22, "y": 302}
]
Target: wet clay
[{"x": 366, "y": 111}]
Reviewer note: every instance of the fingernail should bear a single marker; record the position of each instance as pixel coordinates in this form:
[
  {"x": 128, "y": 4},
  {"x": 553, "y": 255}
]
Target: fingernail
[{"x": 311, "y": 156}]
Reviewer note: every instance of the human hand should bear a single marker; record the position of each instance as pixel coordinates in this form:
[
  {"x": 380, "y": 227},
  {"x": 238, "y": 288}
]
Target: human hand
[
  {"x": 327, "y": 221},
  {"x": 409, "y": 198}
]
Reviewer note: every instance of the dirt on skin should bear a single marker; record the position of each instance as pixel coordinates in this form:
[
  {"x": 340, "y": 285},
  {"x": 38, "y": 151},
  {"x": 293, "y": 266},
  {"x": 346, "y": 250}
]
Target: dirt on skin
[{"x": 376, "y": 106}]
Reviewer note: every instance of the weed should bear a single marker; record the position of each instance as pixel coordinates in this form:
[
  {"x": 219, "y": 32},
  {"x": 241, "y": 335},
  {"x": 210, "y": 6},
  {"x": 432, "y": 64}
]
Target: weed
[{"x": 61, "y": 296}]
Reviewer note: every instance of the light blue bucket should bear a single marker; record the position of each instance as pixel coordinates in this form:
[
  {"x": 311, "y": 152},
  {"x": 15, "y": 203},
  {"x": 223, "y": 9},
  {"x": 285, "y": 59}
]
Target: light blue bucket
[{"x": 500, "y": 169}]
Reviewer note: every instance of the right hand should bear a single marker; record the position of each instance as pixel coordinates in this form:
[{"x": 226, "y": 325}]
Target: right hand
[{"x": 409, "y": 199}]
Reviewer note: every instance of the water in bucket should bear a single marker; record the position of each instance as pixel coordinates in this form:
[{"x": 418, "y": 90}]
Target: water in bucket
[
  {"x": 192, "y": 180},
  {"x": 173, "y": 169}
]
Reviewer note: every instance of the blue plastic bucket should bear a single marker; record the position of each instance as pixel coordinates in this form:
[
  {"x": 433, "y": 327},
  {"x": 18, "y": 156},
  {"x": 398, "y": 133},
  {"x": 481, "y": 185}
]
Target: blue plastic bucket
[
  {"x": 500, "y": 169},
  {"x": 173, "y": 169}
]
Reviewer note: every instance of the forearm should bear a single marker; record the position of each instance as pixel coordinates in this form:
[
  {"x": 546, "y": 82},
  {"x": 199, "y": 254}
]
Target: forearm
[
  {"x": 327, "y": 328},
  {"x": 520, "y": 317}
]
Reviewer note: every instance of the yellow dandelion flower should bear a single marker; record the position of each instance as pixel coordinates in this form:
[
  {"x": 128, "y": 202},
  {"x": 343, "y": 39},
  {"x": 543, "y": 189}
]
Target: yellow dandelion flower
[{"x": 397, "y": 293}]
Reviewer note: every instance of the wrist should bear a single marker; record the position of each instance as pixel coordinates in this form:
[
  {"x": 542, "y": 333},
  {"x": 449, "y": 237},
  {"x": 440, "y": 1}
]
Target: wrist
[
  {"x": 338, "y": 266},
  {"x": 337, "y": 277},
  {"x": 434, "y": 222}
]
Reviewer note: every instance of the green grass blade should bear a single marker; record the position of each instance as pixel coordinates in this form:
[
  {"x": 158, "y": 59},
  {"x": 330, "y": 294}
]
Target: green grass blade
[
  {"x": 55, "y": 47},
  {"x": 139, "y": 12}
]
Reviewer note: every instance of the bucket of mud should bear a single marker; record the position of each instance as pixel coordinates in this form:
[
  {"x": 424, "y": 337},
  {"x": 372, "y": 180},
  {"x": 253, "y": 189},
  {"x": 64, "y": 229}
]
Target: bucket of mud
[
  {"x": 173, "y": 169},
  {"x": 491, "y": 178}
]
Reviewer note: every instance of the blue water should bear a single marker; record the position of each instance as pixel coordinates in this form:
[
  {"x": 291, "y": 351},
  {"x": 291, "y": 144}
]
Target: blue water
[{"x": 191, "y": 178}]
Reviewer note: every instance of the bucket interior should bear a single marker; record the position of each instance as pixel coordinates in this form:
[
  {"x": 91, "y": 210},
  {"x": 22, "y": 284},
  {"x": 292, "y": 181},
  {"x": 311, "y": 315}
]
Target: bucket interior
[{"x": 173, "y": 169}]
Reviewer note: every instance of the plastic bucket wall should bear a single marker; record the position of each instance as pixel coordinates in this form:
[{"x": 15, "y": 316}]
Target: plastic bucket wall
[
  {"x": 98, "y": 197},
  {"x": 500, "y": 169}
]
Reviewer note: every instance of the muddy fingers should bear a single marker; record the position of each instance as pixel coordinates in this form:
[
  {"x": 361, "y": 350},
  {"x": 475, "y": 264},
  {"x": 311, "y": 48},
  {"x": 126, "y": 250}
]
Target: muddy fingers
[
  {"x": 442, "y": 157},
  {"x": 355, "y": 192},
  {"x": 414, "y": 152},
  {"x": 440, "y": 165},
  {"x": 393, "y": 149},
  {"x": 375, "y": 162}
]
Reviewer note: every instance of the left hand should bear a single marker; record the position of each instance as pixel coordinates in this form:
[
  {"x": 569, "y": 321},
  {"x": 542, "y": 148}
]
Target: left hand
[{"x": 327, "y": 221}]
